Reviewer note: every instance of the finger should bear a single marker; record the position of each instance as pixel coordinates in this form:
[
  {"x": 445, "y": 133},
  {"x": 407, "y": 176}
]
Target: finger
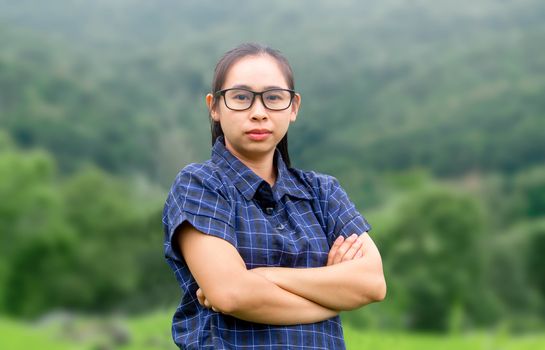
[
  {"x": 359, "y": 254},
  {"x": 334, "y": 249},
  {"x": 352, "y": 251},
  {"x": 360, "y": 251},
  {"x": 344, "y": 248},
  {"x": 200, "y": 296},
  {"x": 341, "y": 251},
  {"x": 207, "y": 303}
]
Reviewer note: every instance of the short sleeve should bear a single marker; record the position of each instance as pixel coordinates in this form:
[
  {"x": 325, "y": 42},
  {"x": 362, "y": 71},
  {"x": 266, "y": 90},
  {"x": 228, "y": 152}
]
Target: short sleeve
[
  {"x": 197, "y": 197},
  {"x": 342, "y": 216}
]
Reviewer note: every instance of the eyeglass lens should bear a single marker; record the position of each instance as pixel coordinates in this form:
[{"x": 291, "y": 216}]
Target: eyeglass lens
[{"x": 239, "y": 99}]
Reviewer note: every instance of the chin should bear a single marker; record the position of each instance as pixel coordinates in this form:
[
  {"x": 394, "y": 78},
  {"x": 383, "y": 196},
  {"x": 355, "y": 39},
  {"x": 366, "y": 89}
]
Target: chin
[{"x": 259, "y": 148}]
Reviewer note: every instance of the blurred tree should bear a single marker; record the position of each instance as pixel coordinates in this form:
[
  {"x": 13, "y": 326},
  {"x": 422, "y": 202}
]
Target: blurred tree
[
  {"x": 118, "y": 228},
  {"x": 535, "y": 259},
  {"x": 513, "y": 274},
  {"x": 433, "y": 256},
  {"x": 31, "y": 216},
  {"x": 529, "y": 190},
  {"x": 40, "y": 276},
  {"x": 91, "y": 244}
]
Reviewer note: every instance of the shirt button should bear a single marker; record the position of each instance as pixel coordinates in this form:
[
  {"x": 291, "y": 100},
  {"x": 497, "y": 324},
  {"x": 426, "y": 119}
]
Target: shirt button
[
  {"x": 269, "y": 211},
  {"x": 279, "y": 227}
]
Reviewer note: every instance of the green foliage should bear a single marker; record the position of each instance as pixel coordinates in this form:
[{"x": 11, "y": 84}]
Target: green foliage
[
  {"x": 83, "y": 245},
  {"x": 433, "y": 255},
  {"x": 101, "y": 100},
  {"x": 529, "y": 187},
  {"x": 511, "y": 275},
  {"x": 40, "y": 276},
  {"x": 440, "y": 85},
  {"x": 30, "y": 214},
  {"x": 117, "y": 232},
  {"x": 535, "y": 260}
]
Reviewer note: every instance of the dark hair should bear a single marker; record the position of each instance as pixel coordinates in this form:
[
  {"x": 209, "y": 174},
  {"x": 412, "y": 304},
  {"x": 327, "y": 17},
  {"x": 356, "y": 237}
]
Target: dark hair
[{"x": 220, "y": 73}]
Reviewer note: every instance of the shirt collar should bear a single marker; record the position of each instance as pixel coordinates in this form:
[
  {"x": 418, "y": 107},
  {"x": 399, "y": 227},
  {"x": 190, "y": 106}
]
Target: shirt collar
[{"x": 247, "y": 182}]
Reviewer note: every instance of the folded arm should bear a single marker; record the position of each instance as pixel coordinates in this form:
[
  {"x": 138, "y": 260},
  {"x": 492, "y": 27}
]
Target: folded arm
[
  {"x": 346, "y": 285},
  {"x": 230, "y": 288}
]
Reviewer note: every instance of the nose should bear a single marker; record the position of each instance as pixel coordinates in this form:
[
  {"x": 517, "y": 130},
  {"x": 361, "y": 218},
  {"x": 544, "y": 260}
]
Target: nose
[{"x": 258, "y": 110}]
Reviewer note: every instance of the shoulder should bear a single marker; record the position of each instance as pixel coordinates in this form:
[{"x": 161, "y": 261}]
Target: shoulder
[
  {"x": 206, "y": 173},
  {"x": 321, "y": 184},
  {"x": 199, "y": 176}
]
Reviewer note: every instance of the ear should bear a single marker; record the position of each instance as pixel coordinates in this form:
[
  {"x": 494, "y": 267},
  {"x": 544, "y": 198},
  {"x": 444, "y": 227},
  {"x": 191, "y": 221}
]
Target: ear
[
  {"x": 211, "y": 109},
  {"x": 295, "y": 104}
]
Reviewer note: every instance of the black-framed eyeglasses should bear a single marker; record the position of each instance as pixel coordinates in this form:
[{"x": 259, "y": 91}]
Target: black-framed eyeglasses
[{"x": 238, "y": 99}]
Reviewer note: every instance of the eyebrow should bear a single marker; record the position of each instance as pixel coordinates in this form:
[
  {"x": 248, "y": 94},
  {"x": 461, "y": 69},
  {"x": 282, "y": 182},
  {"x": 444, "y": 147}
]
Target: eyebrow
[{"x": 243, "y": 86}]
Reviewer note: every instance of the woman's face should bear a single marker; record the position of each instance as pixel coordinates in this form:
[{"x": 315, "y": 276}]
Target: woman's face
[{"x": 255, "y": 132}]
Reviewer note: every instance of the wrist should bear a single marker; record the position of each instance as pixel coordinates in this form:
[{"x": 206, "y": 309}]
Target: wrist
[{"x": 266, "y": 272}]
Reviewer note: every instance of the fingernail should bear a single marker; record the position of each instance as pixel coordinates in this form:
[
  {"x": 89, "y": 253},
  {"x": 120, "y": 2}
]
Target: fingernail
[{"x": 339, "y": 239}]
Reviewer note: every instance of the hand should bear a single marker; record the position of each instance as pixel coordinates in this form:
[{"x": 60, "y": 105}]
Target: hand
[
  {"x": 203, "y": 301},
  {"x": 345, "y": 249}
]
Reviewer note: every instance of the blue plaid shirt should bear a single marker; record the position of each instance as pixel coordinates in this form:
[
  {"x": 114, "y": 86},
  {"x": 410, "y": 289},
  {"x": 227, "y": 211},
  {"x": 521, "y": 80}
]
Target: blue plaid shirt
[{"x": 292, "y": 224}]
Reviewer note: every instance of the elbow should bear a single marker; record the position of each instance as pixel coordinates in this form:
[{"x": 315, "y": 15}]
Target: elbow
[
  {"x": 380, "y": 289},
  {"x": 225, "y": 300},
  {"x": 234, "y": 300},
  {"x": 373, "y": 292},
  {"x": 236, "y": 296},
  {"x": 377, "y": 292}
]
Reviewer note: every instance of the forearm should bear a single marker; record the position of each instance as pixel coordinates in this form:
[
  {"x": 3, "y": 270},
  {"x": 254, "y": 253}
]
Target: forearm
[
  {"x": 226, "y": 285},
  {"x": 344, "y": 286},
  {"x": 257, "y": 299}
]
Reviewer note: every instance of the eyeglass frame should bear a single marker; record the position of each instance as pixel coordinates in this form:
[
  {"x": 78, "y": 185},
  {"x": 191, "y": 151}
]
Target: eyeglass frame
[{"x": 254, "y": 94}]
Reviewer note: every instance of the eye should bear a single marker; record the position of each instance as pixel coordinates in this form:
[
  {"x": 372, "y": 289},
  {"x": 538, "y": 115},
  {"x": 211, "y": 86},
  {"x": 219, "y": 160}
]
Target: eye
[
  {"x": 241, "y": 97},
  {"x": 274, "y": 97}
]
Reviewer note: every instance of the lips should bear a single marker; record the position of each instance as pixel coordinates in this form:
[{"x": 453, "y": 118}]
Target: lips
[
  {"x": 259, "y": 131},
  {"x": 258, "y": 134}
]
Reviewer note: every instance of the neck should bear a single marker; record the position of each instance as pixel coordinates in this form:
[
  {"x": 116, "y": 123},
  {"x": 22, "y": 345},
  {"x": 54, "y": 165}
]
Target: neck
[{"x": 262, "y": 166}]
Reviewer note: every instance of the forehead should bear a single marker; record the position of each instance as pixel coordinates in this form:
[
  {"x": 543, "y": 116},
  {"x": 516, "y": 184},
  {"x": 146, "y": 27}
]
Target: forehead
[{"x": 256, "y": 72}]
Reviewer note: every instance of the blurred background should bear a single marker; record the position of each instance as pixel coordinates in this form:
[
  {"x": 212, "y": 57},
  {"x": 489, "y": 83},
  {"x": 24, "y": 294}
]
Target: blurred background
[{"x": 430, "y": 113}]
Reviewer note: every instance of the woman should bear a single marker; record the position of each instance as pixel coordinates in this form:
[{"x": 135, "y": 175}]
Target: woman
[{"x": 266, "y": 255}]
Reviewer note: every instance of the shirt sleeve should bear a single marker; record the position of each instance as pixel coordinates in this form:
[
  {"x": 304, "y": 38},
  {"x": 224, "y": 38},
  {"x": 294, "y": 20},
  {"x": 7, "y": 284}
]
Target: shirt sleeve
[
  {"x": 342, "y": 216},
  {"x": 198, "y": 199}
]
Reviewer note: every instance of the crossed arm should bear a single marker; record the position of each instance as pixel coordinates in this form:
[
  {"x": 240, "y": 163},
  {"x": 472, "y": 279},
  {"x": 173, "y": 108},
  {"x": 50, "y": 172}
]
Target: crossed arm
[
  {"x": 344, "y": 284},
  {"x": 352, "y": 278}
]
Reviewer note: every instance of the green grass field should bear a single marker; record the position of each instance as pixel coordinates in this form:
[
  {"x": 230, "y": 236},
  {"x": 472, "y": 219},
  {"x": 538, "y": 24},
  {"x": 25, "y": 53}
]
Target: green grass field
[
  {"x": 356, "y": 339},
  {"x": 153, "y": 332}
]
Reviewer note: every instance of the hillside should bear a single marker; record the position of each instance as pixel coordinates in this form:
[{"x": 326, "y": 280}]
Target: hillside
[{"x": 453, "y": 87}]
